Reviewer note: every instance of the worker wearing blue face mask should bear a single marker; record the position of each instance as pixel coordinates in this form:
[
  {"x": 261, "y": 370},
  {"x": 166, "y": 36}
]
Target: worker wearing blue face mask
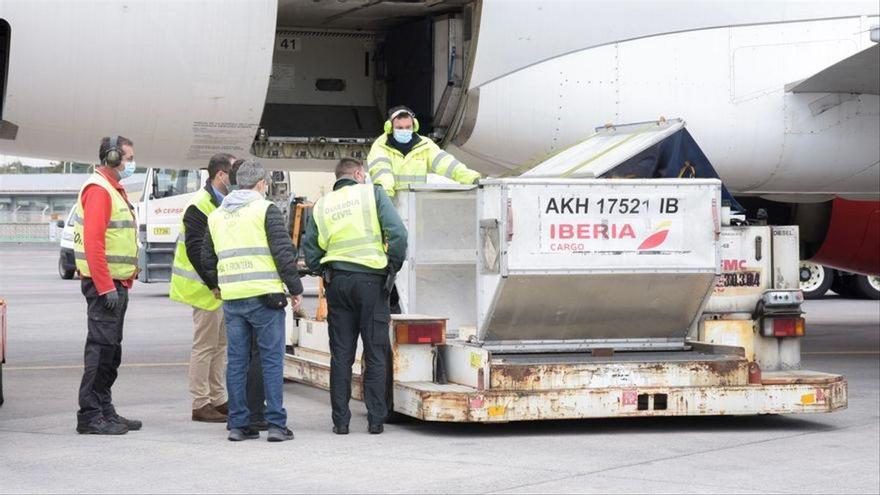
[
  {"x": 400, "y": 156},
  {"x": 207, "y": 367}
]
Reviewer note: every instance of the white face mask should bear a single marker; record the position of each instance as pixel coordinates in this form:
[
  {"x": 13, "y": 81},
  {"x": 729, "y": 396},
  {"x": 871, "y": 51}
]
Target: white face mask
[
  {"x": 227, "y": 185},
  {"x": 128, "y": 171},
  {"x": 403, "y": 136}
]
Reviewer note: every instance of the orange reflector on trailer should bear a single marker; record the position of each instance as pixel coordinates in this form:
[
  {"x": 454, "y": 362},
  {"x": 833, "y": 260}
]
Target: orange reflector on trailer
[
  {"x": 420, "y": 331},
  {"x": 784, "y": 327}
]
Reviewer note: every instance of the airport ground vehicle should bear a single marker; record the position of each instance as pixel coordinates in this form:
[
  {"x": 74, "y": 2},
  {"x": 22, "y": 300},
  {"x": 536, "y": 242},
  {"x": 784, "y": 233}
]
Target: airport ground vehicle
[
  {"x": 66, "y": 261},
  {"x": 159, "y": 207},
  {"x": 558, "y": 295},
  {"x": 816, "y": 280},
  {"x": 158, "y": 210},
  {"x": 168, "y": 191}
]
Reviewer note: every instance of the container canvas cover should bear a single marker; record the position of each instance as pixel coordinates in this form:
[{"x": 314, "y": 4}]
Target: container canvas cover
[{"x": 647, "y": 150}]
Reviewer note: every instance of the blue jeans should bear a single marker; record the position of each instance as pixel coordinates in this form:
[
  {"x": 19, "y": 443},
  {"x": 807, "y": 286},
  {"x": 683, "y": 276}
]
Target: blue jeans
[{"x": 248, "y": 319}]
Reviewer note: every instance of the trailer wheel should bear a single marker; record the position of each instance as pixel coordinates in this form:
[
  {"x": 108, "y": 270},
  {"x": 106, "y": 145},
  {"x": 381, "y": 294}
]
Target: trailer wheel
[
  {"x": 866, "y": 287},
  {"x": 815, "y": 279},
  {"x": 65, "y": 274}
]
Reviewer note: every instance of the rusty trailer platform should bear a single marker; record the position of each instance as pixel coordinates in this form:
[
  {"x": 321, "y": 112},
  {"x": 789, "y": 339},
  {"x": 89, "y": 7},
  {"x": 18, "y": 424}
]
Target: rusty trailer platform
[{"x": 714, "y": 380}]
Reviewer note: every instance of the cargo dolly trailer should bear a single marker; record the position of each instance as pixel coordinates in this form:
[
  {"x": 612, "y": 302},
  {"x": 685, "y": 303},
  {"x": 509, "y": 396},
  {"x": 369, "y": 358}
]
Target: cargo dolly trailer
[{"x": 557, "y": 296}]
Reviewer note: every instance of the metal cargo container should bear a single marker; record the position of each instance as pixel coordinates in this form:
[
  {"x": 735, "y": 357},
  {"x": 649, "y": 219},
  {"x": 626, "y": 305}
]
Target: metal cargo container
[{"x": 582, "y": 263}]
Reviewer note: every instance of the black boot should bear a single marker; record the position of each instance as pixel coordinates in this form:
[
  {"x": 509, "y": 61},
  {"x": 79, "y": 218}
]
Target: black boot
[
  {"x": 246, "y": 433},
  {"x": 132, "y": 424},
  {"x": 101, "y": 426}
]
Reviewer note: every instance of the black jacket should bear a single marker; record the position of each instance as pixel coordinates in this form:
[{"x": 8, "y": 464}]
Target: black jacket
[
  {"x": 196, "y": 224},
  {"x": 280, "y": 246},
  {"x": 393, "y": 232}
]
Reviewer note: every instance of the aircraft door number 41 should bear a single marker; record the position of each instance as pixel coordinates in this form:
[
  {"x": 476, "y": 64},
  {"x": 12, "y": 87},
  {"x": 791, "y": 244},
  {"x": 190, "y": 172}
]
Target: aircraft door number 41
[{"x": 285, "y": 43}]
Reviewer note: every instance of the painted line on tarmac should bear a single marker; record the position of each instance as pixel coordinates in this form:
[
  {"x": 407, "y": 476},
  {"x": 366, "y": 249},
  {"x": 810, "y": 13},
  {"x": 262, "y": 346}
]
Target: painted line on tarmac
[
  {"x": 79, "y": 366},
  {"x": 841, "y": 353}
]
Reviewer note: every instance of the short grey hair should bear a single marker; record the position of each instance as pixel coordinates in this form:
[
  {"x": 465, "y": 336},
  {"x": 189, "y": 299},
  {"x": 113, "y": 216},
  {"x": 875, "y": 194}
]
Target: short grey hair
[{"x": 249, "y": 174}]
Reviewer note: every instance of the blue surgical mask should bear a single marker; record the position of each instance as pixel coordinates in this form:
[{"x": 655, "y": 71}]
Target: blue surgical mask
[
  {"x": 128, "y": 171},
  {"x": 403, "y": 136}
]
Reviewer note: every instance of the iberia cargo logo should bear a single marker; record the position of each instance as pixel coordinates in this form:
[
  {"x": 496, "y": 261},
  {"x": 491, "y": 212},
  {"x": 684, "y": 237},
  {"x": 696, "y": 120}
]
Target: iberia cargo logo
[{"x": 657, "y": 237}]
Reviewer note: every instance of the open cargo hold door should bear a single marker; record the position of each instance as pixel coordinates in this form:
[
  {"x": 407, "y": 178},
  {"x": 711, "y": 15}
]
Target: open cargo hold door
[{"x": 648, "y": 150}]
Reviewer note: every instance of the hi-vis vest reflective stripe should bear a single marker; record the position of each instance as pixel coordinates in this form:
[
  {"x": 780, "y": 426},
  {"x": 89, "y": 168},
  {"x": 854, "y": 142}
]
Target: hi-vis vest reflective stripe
[
  {"x": 394, "y": 171},
  {"x": 120, "y": 239},
  {"x": 348, "y": 227},
  {"x": 245, "y": 265},
  {"x": 186, "y": 284}
]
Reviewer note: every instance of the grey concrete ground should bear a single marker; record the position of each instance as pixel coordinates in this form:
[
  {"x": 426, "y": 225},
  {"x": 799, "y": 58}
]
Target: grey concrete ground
[{"x": 40, "y": 452}]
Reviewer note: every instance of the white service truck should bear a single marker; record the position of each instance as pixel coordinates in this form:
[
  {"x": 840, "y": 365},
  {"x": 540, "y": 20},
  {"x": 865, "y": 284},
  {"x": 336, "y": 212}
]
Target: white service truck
[
  {"x": 166, "y": 195},
  {"x": 564, "y": 294}
]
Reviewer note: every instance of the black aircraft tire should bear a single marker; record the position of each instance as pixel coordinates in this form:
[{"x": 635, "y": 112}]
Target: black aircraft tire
[
  {"x": 841, "y": 286},
  {"x": 861, "y": 286}
]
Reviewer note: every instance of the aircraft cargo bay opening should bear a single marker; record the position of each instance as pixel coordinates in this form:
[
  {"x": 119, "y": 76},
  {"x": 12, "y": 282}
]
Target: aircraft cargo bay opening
[{"x": 337, "y": 67}]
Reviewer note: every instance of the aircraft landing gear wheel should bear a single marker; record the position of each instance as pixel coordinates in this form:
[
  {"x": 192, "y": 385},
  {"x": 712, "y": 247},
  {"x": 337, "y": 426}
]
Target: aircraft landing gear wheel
[
  {"x": 815, "y": 279},
  {"x": 866, "y": 286},
  {"x": 65, "y": 274}
]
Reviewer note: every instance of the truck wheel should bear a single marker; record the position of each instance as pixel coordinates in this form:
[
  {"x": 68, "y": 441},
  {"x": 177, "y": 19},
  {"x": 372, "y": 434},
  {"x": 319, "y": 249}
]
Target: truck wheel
[
  {"x": 866, "y": 286},
  {"x": 65, "y": 274},
  {"x": 815, "y": 279}
]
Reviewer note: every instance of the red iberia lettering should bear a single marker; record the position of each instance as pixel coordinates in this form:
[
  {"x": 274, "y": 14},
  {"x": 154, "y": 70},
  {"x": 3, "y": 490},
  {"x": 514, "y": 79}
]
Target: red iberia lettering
[{"x": 592, "y": 231}]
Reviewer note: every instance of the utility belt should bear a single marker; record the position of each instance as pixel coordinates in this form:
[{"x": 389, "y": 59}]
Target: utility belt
[{"x": 329, "y": 274}]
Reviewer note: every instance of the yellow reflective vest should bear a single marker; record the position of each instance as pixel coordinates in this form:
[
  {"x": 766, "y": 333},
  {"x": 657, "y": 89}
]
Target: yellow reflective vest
[
  {"x": 348, "y": 227},
  {"x": 394, "y": 171},
  {"x": 245, "y": 266},
  {"x": 186, "y": 284},
  {"x": 120, "y": 238}
]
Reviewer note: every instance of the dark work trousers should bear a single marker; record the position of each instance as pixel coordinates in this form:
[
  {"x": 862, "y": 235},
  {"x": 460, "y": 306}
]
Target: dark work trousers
[
  {"x": 256, "y": 396},
  {"x": 103, "y": 353},
  {"x": 357, "y": 305}
]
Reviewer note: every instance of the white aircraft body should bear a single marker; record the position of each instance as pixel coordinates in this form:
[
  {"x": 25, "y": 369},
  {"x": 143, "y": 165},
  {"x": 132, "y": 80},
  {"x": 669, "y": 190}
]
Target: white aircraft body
[
  {"x": 524, "y": 79},
  {"x": 782, "y": 96}
]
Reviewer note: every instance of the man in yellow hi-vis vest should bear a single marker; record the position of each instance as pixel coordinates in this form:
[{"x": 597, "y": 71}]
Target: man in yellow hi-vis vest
[
  {"x": 346, "y": 242},
  {"x": 248, "y": 255},
  {"x": 207, "y": 364},
  {"x": 106, "y": 252},
  {"x": 400, "y": 156}
]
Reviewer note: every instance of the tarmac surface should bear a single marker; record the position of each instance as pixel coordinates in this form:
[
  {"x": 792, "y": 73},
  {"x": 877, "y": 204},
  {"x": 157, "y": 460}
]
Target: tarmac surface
[{"x": 40, "y": 451}]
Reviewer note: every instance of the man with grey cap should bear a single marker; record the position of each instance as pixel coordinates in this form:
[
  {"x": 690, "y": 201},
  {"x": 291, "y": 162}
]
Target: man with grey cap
[{"x": 248, "y": 255}]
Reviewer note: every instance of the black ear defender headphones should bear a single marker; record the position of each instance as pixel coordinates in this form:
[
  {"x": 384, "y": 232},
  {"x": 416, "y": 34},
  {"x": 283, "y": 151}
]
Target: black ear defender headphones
[
  {"x": 396, "y": 112},
  {"x": 113, "y": 156}
]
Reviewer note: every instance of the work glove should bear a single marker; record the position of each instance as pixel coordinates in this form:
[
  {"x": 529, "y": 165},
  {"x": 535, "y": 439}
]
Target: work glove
[{"x": 111, "y": 300}]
